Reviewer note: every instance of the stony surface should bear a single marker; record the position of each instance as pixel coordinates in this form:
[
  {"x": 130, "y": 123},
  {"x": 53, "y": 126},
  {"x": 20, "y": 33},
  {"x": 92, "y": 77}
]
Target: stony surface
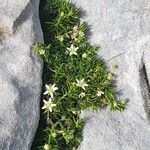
[
  {"x": 20, "y": 73},
  {"x": 122, "y": 28}
]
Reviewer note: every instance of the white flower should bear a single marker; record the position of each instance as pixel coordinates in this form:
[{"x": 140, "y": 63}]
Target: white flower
[
  {"x": 84, "y": 55},
  {"x": 48, "y": 105},
  {"x": 46, "y": 147},
  {"x": 60, "y": 38},
  {"x": 75, "y": 28},
  {"x": 38, "y": 49},
  {"x": 99, "y": 93},
  {"x": 81, "y": 95},
  {"x": 50, "y": 89},
  {"x": 81, "y": 83},
  {"x": 41, "y": 51},
  {"x": 72, "y": 50}
]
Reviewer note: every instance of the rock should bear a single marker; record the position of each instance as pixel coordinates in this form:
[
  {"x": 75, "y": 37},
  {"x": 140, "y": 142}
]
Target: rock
[
  {"x": 20, "y": 73},
  {"x": 122, "y": 28}
]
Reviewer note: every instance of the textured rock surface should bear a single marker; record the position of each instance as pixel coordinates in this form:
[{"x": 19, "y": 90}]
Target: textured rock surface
[
  {"x": 122, "y": 28},
  {"x": 20, "y": 73}
]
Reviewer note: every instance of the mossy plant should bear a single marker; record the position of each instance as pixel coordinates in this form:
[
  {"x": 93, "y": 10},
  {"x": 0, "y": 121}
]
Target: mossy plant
[{"x": 74, "y": 78}]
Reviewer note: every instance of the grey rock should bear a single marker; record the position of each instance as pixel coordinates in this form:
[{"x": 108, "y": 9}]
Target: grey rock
[
  {"x": 20, "y": 73},
  {"x": 122, "y": 29}
]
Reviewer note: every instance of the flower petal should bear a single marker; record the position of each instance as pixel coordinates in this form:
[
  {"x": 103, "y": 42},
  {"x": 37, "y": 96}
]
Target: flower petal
[
  {"x": 44, "y": 107},
  {"x": 44, "y": 101},
  {"x": 50, "y": 109},
  {"x": 47, "y": 86},
  {"x": 46, "y": 92},
  {"x": 52, "y": 95}
]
